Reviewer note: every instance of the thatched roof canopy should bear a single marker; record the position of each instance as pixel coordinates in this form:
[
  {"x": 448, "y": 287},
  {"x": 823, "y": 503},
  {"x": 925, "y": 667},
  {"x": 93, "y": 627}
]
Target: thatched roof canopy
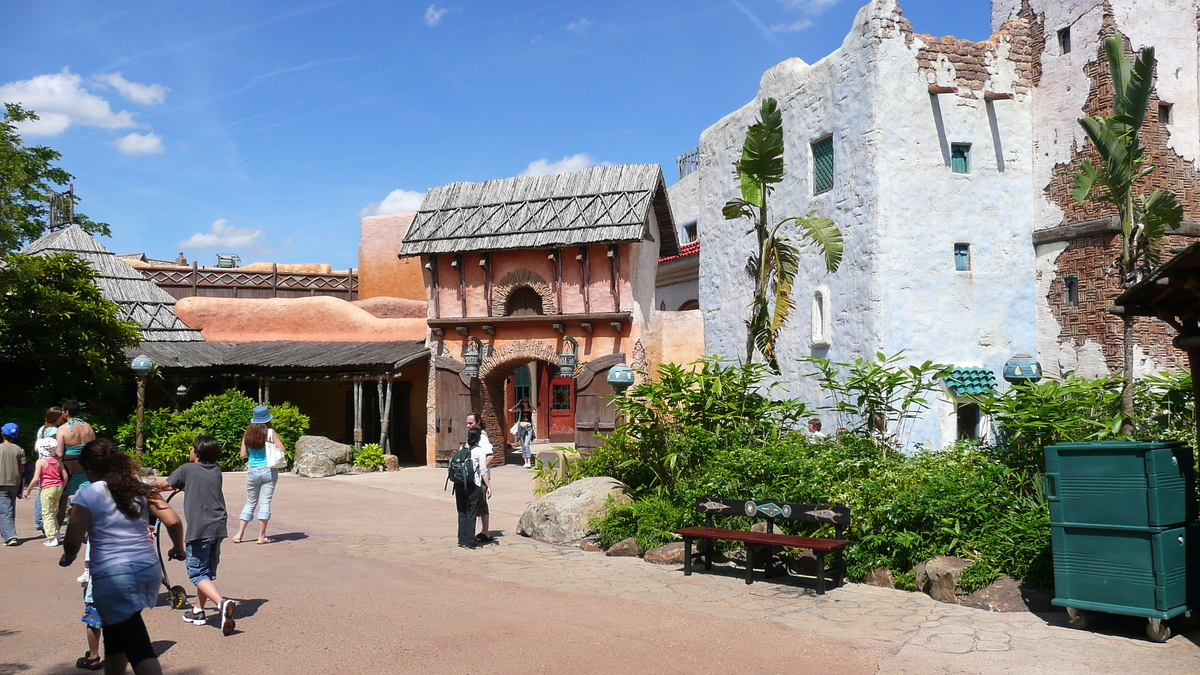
[
  {"x": 138, "y": 299},
  {"x": 283, "y": 356},
  {"x": 603, "y": 204}
]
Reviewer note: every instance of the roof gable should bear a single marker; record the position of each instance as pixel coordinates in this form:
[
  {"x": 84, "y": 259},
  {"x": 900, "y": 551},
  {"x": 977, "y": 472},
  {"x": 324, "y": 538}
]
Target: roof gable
[{"x": 603, "y": 204}]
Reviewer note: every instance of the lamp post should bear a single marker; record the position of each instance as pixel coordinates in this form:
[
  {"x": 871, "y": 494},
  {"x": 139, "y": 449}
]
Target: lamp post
[
  {"x": 472, "y": 357},
  {"x": 568, "y": 359},
  {"x": 142, "y": 367},
  {"x": 620, "y": 377}
]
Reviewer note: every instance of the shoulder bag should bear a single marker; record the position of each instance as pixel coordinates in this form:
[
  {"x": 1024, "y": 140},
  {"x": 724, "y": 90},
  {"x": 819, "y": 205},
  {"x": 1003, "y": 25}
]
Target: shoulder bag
[{"x": 276, "y": 457}]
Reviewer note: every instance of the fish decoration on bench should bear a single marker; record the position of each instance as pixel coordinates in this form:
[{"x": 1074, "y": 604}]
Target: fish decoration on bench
[
  {"x": 826, "y": 514},
  {"x": 711, "y": 505}
]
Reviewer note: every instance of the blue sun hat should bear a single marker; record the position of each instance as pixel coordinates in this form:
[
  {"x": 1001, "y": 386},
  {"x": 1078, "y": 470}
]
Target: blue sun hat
[
  {"x": 10, "y": 429},
  {"x": 262, "y": 415}
]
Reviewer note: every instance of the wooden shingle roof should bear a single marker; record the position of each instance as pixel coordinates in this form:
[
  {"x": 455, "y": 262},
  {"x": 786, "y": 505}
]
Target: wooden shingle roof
[
  {"x": 284, "y": 356},
  {"x": 603, "y": 204},
  {"x": 138, "y": 299}
]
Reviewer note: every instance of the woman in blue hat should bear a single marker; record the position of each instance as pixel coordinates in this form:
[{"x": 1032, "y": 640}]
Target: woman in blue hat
[{"x": 260, "y": 478}]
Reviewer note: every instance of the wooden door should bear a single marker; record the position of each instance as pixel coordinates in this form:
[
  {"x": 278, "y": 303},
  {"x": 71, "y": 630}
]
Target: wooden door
[
  {"x": 455, "y": 401},
  {"x": 562, "y": 409},
  {"x": 595, "y": 411}
]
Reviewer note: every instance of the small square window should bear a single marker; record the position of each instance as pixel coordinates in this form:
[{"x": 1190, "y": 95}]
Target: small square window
[
  {"x": 960, "y": 157},
  {"x": 1164, "y": 113},
  {"x": 689, "y": 231},
  {"x": 822, "y": 152},
  {"x": 962, "y": 257},
  {"x": 1064, "y": 40},
  {"x": 1072, "y": 286}
]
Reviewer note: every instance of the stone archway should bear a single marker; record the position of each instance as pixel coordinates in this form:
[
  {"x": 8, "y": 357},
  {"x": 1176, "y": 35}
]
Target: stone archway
[
  {"x": 492, "y": 372},
  {"x": 524, "y": 278}
]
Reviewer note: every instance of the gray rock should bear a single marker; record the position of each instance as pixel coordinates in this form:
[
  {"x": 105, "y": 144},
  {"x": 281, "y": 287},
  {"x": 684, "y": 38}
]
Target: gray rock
[
  {"x": 318, "y": 457},
  {"x": 1009, "y": 595},
  {"x": 670, "y": 554},
  {"x": 345, "y": 468},
  {"x": 942, "y": 576},
  {"x": 626, "y": 548},
  {"x": 879, "y": 577},
  {"x": 562, "y": 516}
]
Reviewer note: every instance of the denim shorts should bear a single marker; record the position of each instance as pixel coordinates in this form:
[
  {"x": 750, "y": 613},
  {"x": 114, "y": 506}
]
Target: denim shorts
[
  {"x": 203, "y": 556},
  {"x": 123, "y": 589}
]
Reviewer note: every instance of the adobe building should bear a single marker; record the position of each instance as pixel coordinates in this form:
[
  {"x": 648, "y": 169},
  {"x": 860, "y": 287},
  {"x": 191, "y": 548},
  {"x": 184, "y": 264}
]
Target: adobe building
[{"x": 521, "y": 270}]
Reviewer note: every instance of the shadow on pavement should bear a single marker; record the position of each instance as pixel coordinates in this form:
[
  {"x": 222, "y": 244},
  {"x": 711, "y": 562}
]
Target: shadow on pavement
[
  {"x": 162, "y": 646},
  {"x": 288, "y": 536},
  {"x": 7, "y": 668},
  {"x": 247, "y": 608}
]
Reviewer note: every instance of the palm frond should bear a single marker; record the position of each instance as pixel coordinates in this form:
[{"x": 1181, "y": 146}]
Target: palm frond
[{"x": 823, "y": 233}]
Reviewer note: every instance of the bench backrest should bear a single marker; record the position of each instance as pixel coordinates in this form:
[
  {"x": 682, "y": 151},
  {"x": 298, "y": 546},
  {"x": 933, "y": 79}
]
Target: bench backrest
[{"x": 837, "y": 514}]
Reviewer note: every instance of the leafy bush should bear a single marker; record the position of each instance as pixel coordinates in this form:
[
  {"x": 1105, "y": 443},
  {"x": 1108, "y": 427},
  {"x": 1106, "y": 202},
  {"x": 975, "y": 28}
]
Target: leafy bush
[
  {"x": 225, "y": 416},
  {"x": 369, "y": 456},
  {"x": 650, "y": 521}
]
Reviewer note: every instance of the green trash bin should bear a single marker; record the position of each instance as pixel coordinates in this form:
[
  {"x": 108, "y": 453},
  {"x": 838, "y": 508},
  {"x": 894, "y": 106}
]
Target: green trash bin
[{"x": 1120, "y": 516}]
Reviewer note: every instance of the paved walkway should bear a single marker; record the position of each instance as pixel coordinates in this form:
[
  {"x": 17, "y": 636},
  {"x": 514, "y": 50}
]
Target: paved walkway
[{"x": 367, "y": 575}]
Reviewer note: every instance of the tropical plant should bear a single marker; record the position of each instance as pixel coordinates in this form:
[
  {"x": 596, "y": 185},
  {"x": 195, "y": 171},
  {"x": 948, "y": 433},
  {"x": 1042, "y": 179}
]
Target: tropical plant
[
  {"x": 369, "y": 456},
  {"x": 1144, "y": 216},
  {"x": 776, "y": 261}
]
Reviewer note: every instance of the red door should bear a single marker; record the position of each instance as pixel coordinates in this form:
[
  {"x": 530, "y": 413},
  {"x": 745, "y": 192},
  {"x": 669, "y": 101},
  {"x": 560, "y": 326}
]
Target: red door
[{"x": 562, "y": 409}]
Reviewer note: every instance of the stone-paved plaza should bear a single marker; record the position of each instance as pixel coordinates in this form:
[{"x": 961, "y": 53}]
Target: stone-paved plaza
[{"x": 365, "y": 576}]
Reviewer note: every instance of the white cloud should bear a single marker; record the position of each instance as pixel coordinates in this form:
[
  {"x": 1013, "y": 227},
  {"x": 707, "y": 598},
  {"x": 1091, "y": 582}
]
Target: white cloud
[
  {"x": 227, "y": 237},
  {"x": 397, "y": 201},
  {"x": 791, "y": 27},
  {"x": 145, "y": 94},
  {"x": 433, "y": 15},
  {"x": 140, "y": 144},
  {"x": 60, "y": 101},
  {"x": 579, "y": 26},
  {"x": 544, "y": 167},
  {"x": 810, "y": 6}
]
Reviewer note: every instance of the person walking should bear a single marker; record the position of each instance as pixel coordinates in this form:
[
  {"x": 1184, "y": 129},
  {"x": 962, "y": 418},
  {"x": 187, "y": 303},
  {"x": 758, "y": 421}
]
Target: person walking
[
  {"x": 260, "y": 478},
  {"x": 46, "y": 445},
  {"x": 112, "y": 512},
  {"x": 12, "y": 466},
  {"x": 72, "y": 435},
  {"x": 524, "y": 429},
  {"x": 204, "y": 511},
  {"x": 48, "y": 479}
]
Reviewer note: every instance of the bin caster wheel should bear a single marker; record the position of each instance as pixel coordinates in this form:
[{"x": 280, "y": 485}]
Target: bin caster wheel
[
  {"x": 178, "y": 597},
  {"x": 1158, "y": 630},
  {"x": 1076, "y": 618}
]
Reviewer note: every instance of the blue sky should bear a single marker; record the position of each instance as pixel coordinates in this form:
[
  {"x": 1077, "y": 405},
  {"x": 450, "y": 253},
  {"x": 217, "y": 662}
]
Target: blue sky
[{"x": 266, "y": 129}]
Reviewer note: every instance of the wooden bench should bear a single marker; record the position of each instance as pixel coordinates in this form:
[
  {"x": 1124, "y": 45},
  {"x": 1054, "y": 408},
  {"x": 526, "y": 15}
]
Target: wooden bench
[{"x": 837, "y": 514}]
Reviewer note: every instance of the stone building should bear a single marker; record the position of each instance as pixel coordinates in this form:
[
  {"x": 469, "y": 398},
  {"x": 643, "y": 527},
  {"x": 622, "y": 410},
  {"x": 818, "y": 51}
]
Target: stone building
[{"x": 946, "y": 163}]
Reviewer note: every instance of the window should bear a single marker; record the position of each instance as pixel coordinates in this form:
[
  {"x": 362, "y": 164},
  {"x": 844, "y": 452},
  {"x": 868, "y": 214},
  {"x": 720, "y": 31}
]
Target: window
[
  {"x": 968, "y": 421},
  {"x": 1064, "y": 40},
  {"x": 689, "y": 231},
  {"x": 960, "y": 157},
  {"x": 822, "y": 152},
  {"x": 1072, "y": 285},
  {"x": 962, "y": 257},
  {"x": 524, "y": 301},
  {"x": 523, "y": 387},
  {"x": 560, "y": 395},
  {"x": 1164, "y": 113},
  {"x": 822, "y": 321}
]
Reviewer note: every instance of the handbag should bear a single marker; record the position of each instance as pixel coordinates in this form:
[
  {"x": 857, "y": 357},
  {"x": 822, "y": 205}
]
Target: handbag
[
  {"x": 513, "y": 430},
  {"x": 276, "y": 457}
]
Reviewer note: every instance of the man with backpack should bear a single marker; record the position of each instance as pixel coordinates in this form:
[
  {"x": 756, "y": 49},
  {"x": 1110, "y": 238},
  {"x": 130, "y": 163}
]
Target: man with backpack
[{"x": 472, "y": 484}]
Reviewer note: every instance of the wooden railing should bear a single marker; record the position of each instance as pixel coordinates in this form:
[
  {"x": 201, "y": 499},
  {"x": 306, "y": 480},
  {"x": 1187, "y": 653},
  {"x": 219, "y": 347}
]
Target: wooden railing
[
  {"x": 688, "y": 162},
  {"x": 183, "y": 282}
]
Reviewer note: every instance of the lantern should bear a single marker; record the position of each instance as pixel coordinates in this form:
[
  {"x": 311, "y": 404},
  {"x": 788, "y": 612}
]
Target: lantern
[
  {"x": 473, "y": 357},
  {"x": 620, "y": 377},
  {"x": 1022, "y": 368},
  {"x": 142, "y": 365},
  {"x": 568, "y": 359}
]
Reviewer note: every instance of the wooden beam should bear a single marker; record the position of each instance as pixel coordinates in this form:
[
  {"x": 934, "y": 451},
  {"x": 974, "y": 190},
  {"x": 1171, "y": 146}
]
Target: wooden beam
[
  {"x": 936, "y": 89},
  {"x": 997, "y": 96}
]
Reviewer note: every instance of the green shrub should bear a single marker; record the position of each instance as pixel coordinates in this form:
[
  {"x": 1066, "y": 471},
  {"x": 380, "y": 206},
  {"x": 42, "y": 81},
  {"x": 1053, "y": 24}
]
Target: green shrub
[
  {"x": 369, "y": 456},
  {"x": 650, "y": 521}
]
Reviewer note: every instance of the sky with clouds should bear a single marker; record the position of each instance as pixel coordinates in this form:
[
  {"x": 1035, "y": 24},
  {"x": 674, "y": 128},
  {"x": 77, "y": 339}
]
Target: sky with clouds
[{"x": 269, "y": 129}]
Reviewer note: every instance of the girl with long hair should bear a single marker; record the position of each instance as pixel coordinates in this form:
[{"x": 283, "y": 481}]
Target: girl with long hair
[
  {"x": 260, "y": 478},
  {"x": 113, "y": 512}
]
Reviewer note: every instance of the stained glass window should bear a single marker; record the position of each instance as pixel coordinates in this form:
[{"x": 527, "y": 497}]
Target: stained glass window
[
  {"x": 822, "y": 165},
  {"x": 561, "y": 396}
]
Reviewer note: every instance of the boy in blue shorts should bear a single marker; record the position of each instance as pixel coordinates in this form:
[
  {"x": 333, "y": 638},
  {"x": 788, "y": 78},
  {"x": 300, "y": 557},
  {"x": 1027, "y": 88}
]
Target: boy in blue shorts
[{"x": 204, "y": 512}]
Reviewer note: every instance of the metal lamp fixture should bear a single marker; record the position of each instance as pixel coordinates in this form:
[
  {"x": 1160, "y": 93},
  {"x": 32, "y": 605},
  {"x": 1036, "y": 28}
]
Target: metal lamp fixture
[
  {"x": 142, "y": 366},
  {"x": 568, "y": 359},
  {"x": 1022, "y": 368},
  {"x": 473, "y": 357},
  {"x": 620, "y": 377}
]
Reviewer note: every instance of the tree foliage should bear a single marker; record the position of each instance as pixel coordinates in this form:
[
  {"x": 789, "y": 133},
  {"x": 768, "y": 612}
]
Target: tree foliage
[
  {"x": 28, "y": 177},
  {"x": 59, "y": 336},
  {"x": 776, "y": 260}
]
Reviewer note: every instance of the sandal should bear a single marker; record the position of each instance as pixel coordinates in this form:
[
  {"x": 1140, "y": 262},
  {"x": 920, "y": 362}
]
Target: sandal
[
  {"x": 88, "y": 662},
  {"x": 268, "y": 540},
  {"x": 236, "y": 540}
]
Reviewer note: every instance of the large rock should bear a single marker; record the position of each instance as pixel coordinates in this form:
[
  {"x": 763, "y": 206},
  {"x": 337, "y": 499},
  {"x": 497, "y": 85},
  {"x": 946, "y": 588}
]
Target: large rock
[
  {"x": 1009, "y": 595},
  {"x": 670, "y": 554},
  {"x": 626, "y": 548},
  {"x": 879, "y": 577},
  {"x": 562, "y": 516},
  {"x": 318, "y": 457},
  {"x": 391, "y": 463},
  {"x": 941, "y": 578}
]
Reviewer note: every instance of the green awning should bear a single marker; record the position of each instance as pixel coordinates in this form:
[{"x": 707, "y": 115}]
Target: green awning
[{"x": 970, "y": 380}]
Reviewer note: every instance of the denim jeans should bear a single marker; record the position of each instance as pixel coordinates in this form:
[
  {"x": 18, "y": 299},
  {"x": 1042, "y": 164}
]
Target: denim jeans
[
  {"x": 525, "y": 437},
  {"x": 123, "y": 589},
  {"x": 203, "y": 557},
  {"x": 8, "y": 511},
  {"x": 260, "y": 487}
]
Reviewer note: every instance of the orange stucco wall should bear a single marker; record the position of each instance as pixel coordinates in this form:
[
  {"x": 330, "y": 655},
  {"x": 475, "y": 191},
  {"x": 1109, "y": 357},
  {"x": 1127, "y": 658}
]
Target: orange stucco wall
[
  {"x": 380, "y": 272},
  {"x": 299, "y": 319}
]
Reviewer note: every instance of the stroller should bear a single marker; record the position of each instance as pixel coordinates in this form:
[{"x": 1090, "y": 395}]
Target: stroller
[{"x": 177, "y": 593}]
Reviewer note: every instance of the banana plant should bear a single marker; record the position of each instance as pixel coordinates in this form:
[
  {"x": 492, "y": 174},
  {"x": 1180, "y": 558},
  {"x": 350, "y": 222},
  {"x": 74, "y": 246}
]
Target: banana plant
[
  {"x": 776, "y": 260},
  {"x": 1144, "y": 217}
]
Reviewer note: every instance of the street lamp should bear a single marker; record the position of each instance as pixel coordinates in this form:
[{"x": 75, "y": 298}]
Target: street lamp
[
  {"x": 620, "y": 377},
  {"x": 472, "y": 357},
  {"x": 568, "y": 359},
  {"x": 142, "y": 367}
]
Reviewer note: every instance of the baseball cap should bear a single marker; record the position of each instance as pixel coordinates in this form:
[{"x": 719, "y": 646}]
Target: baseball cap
[{"x": 10, "y": 429}]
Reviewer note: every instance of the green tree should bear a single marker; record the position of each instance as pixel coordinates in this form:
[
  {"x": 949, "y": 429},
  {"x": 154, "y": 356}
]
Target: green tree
[
  {"x": 1144, "y": 215},
  {"x": 58, "y": 335},
  {"x": 776, "y": 261},
  {"x": 28, "y": 178}
]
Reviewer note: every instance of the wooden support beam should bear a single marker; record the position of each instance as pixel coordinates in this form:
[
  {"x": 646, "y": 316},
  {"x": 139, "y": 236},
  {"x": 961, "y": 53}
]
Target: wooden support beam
[
  {"x": 936, "y": 89},
  {"x": 997, "y": 95}
]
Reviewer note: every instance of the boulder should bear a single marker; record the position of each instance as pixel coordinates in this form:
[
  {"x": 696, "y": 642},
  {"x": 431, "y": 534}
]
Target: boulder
[
  {"x": 391, "y": 463},
  {"x": 318, "y": 457},
  {"x": 626, "y": 548},
  {"x": 941, "y": 578},
  {"x": 1009, "y": 595},
  {"x": 879, "y": 577},
  {"x": 590, "y": 544},
  {"x": 670, "y": 554},
  {"x": 563, "y": 516}
]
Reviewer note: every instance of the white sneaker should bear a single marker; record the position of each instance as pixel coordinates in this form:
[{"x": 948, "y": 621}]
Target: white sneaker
[
  {"x": 52, "y": 542},
  {"x": 192, "y": 616},
  {"x": 225, "y": 610}
]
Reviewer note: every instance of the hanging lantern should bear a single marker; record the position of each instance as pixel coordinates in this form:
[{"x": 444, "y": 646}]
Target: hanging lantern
[
  {"x": 569, "y": 358},
  {"x": 1022, "y": 368},
  {"x": 142, "y": 365},
  {"x": 473, "y": 357},
  {"x": 620, "y": 377}
]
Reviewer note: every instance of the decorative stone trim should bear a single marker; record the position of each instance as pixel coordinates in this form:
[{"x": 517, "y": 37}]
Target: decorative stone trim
[
  {"x": 519, "y": 350},
  {"x": 519, "y": 279},
  {"x": 495, "y": 367}
]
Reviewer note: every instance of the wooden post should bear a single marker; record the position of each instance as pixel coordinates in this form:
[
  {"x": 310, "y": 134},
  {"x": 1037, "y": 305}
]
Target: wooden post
[
  {"x": 274, "y": 280},
  {"x": 358, "y": 394},
  {"x": 558, "y": 280},
  {"x": 141, "y": 412},
  {"x": 386, "y": 418},
  {"x": 266, "y": 391},
  {"x": 614, "y": 268},
  {"x": 460, "y": 261},
  {"x": 195, "y": 277},
  {"x": 485, "y": 261},
  {"x": 585, "y": 278},
  {"x": 434, "y": 282}
]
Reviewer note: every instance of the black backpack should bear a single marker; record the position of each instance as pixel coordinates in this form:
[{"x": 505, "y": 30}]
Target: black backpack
[{"x": 460, "y": 469}]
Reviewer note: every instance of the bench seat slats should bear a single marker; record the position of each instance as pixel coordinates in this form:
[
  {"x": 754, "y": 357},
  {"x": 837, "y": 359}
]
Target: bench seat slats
[{"x": 766, "y": 538}]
